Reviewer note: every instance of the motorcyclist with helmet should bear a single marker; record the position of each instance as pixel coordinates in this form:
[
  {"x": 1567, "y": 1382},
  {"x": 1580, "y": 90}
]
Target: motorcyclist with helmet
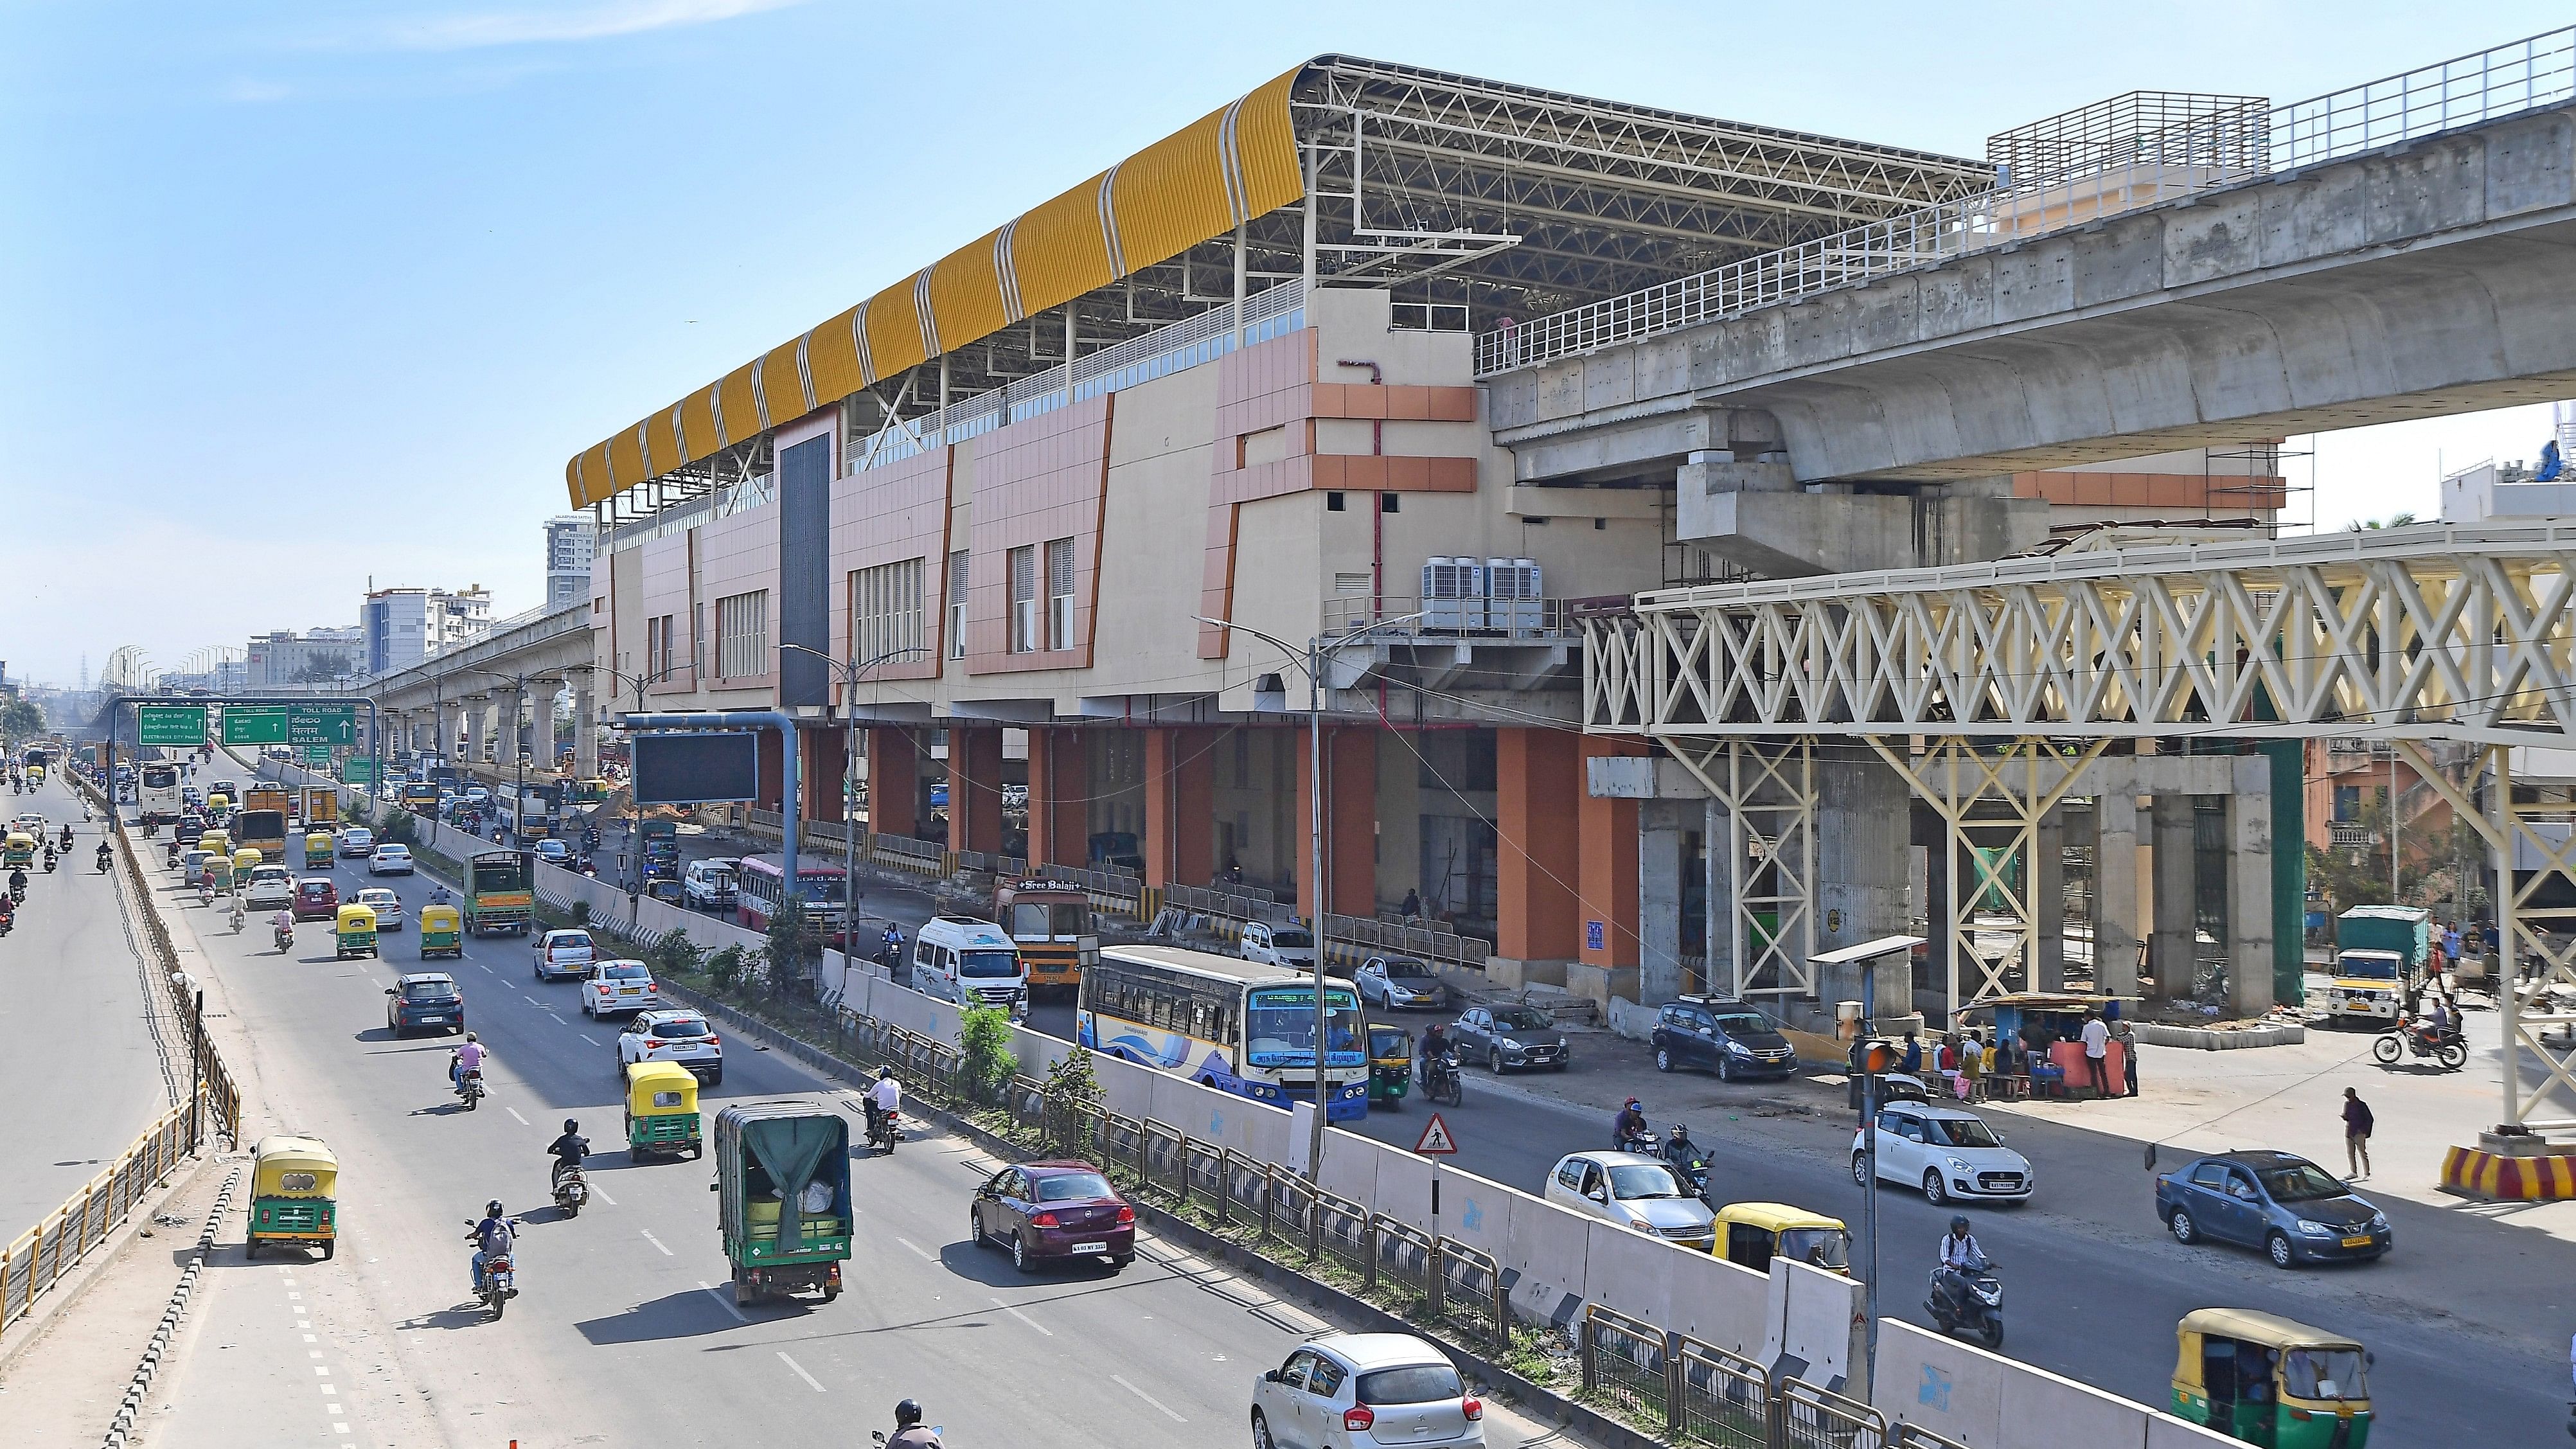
[
  {"x": 1959, "y": 1256},
  {"x": 909, "y": 1431},
  {"x": 493, "y": 1237},
  {"x": 567, "y": 1151},
  {"x": 1628, "y": 1126}
]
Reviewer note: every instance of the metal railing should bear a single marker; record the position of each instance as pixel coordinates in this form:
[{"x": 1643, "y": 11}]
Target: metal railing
[
  {"x": 1406, "y": 616},
  {"x": 2195, "y": 155},
  {"x": 1719, "y": 1398},
  {"x": 39, "y": 1257},
  {"x": 1915, "y": 1436},
  {"x": 1627, "y": 1363},
  {"x": 1807, "y": 1417}
]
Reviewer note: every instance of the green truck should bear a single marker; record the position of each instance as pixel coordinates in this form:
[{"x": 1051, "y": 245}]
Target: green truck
[
  {"x": 500, "y": 894},
  {"x": 2380, "y": 956},
  {"x": 783, "y": 1169}
]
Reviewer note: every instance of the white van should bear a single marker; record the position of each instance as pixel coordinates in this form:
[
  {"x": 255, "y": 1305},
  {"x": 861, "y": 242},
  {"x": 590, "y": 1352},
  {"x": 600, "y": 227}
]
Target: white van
[{"x": 970, "y": 962}]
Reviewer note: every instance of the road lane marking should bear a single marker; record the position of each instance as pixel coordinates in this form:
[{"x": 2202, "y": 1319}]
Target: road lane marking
[
  {"x": 513, "y": 1111},
  {"x": 585, "y": 1036},
  {"x": 810, "y": 1381},
  {"x": 722, "y": 1296},
  {"x": 657, "y": 1242},
  {"x": 916, "y": 1252},
  {"x": 532, "y": 1001},
  {"x": 1121, "y": 1381},
  {"x": 603, "y": 1196},
  {"x": 1024, "y": 1318}
]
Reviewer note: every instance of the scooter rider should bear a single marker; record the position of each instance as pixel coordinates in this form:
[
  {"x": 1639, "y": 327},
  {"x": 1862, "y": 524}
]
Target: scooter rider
[
  {"x": 1959, "y": 1255},
  {"x": 909, "y": 1432},
  {"x": 884, "y": 1095},
  {"x": 493, "y": 1237},
  {"x": 1680, "y": 1150},
  {"x": 106, "y": 856},
  {"x": 1435, "y": 1043},
  {"x": 890, "y": 946},
  {"x": 568, "y": 1151},
  {"x": 1628, "y": 1126},
  {"x": 467, "y": 1058}
]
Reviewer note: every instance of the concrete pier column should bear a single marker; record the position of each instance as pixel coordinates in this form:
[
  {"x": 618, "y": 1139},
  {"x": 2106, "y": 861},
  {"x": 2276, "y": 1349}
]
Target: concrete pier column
[
  {"x": 1864, "y": 812},
  {"x": 2048, "y": 899},
  {"x": 585, "y": 732},
  {"x": 2249, "y": 889},
  {"x": 1606, "y": 856},
  {"x": 2115, "y": 893},
  {"x": 894, "y": 782},
  {"x": 1350, "y": 824},
  {"x": 825, "y": 766},
  {"x": 1180, "y": 806},
  {"x": 477, "y": 713},
  {"x": 1058, "y": 787},
  {"x": 1538, "y": 777},
  {"x": 974, "y": 789},
  {"x": 1662, "y": 826},
  {"x": 2171, "y": 947}
]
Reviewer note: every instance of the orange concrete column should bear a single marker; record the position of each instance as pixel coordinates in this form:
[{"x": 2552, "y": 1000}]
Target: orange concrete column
[
  {"x": 1350, "y": 823},
  {"x": 1180, "y": 807},
  {"x": 824, "y": 766},
  {"x": 1538, "y": 776},
  {"x": 1608, "y": 882},
  {"x": 773, "y": 769},
  {"x": 974, "y": 789},
  {"x": 1059, "y": 784},
  {"x": 894, "y": 782}
]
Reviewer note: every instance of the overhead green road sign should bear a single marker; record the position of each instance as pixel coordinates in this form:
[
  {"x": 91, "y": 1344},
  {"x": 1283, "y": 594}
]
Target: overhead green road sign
[
  {"x": 322, "y": 724},
  {"x": 317, "y": 754},
  {"x": 358, "y": 770},
  {"x": 171, "y": 724},
  {"x": 254, "y": 724}
]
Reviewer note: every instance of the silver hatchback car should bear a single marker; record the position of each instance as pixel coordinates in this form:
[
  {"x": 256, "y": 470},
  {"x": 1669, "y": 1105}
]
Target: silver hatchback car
[{"x": 1357, "y": 1390}]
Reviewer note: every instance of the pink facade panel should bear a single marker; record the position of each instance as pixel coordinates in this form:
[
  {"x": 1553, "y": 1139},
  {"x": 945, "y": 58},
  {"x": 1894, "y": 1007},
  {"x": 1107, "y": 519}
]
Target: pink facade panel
[
  {"x": 738, "y": 555},
  {"x": 887, "y": 515},
  {"x": 666, "y": 595},
  {"x": 1036, "y": 481}
]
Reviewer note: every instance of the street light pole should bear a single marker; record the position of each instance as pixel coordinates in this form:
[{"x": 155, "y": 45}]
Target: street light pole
[{"x": 851, "y": 673}]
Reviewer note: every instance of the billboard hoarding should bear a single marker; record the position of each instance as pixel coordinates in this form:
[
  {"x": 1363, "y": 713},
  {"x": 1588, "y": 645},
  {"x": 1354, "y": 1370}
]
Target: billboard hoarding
[{"x": 696, "y": 769}]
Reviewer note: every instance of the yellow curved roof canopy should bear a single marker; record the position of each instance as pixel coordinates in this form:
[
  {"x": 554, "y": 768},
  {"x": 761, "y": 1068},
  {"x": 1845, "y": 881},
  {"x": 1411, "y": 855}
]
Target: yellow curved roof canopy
[{"x": 1232, "y": 165}]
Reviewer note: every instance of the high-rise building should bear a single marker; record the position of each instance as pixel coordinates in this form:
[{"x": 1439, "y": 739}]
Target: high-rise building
[
  {"x": 568, "y": 546},
  {"x": 404, "y": 626},
  {"x": 283, "y": 657}
]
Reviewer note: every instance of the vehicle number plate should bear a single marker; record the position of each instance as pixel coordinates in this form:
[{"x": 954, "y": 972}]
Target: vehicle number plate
[
  {"x": 431, "y": 1020},
  {"x": 1091, "y": 1247},
  {"x": 2360, "y": 1241}
]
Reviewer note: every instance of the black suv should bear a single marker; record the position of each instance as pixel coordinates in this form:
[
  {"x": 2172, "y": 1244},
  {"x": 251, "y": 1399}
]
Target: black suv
[{"x": 1724, "y": 1035}]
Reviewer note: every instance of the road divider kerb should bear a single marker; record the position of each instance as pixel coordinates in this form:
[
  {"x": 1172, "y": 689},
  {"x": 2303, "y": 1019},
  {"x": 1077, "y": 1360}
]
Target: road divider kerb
[{"x": 121, "y": 1427}]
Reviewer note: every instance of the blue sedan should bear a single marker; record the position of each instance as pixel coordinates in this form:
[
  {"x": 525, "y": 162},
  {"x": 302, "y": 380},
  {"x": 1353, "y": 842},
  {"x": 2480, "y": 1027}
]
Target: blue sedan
[{"x": 2292, "y": 1209}]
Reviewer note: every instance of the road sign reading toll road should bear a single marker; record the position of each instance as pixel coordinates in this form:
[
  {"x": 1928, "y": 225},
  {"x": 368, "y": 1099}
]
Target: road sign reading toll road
[{"x": 1436, "y": 1141}]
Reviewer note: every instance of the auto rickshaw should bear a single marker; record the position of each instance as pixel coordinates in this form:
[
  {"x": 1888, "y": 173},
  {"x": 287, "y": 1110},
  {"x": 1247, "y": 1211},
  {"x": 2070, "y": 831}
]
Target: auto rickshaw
[
  {"x": 246, "y": 860},
  {"x": 662, "y": 1111},
  {"x": 353, "y": 932},
  {"x": 293, "y": 1184},
  {"x": 783, "y": 1173},
  {"x": 442, "y": 932},
  {"x": 18, "y": 850},
  {"x": 1751, "y": 1234},
  {"x": 2266, "y": 1380},
  {"x": 219, "y": 873},
  {"x": 1390, "y": 1064},
  {"x": 216, "y": 842},
  {"x": 319, "y": 852}
]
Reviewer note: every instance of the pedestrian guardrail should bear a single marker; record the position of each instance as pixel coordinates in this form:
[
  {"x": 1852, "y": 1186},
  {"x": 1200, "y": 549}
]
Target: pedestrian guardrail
[
  {"x": 1808, "y": 1417},
  {"x": 1719, "y": 1398},
  {"x": 1915, "y": 1436},
  {"x": 1625, "y": 1362},
  {"x": 38, "y": 1257}
]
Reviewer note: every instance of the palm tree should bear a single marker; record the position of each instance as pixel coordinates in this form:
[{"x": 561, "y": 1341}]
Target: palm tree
[{"x": 2394, "y": 520}]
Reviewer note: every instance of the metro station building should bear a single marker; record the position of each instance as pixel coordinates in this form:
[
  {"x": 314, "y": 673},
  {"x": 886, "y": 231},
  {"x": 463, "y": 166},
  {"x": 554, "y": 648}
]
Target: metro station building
[{"x": 1101, "y": 477}]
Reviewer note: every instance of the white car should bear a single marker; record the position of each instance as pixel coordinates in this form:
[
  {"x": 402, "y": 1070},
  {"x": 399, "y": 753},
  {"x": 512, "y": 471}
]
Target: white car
[
  {"x": 1949, "y": 1152},
  {"x": 270, "y": 886},
  {"x": 672, "y": 1036},
  {"x": 614, "y": 986},
  {"x": 476, "y": 794},
  {"x": 1361, "y": 1390},
  {"x": 390, "y": 860},
  {"x": 1291, "y": 947},
  {"x": 387, "y": 906},
  {"x": 1634, "y": 1191},
  {"x": 1400, "y": 983},
  {"x": 356, "y": 841},
  {"x": 709, "y": 886},
  {"x": 564, "y": 953}
]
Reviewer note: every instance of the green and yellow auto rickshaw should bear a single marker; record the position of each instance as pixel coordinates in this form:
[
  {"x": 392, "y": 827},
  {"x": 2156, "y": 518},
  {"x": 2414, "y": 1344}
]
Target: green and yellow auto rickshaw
[
  {"x": 246, "y": 860},
  {"x": 662, "y": 1111},
  {"x": 442, "y": 932},
  {"x": 2266, "y": 1380},
  {"x": 319, "y": 852},
  {"x": 1390, "y": 1050},
  {"x": 18, "y": 850},
  {"x": 353, "y": 932},
  {"x": 219, "y": 874},
  {"x": 294, "y": 1184}
]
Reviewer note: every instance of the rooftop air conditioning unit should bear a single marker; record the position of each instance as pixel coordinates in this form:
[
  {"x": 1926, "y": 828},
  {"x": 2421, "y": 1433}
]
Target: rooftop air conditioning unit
[
  {"x": 1512, "y": 596},
  {"x": 1453, "y": 594}
]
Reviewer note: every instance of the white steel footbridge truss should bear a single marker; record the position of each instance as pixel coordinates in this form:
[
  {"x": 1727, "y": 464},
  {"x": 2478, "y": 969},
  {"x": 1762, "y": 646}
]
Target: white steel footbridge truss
[{"x": 2432, "y": 632}]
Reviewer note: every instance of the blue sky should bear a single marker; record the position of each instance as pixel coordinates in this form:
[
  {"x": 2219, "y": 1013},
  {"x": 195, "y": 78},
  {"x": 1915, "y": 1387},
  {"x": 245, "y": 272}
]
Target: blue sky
[{"x": 299, "y": 295}]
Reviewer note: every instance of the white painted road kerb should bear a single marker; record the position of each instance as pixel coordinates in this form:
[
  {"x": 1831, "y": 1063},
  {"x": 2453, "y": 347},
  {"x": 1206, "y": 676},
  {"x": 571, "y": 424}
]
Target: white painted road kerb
[{"x": 123, "y": 1424}]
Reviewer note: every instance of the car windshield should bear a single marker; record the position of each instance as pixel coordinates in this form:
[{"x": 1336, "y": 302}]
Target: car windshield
[
  {"x": 1281, "y": 1019},
  {"x": 1427, "y": 1383},
  {"x": 1817, "y": 1247},
  {"x": 270, "y": 873},
  {"x": 626, "y": 973},
  {"x": 1644, "y": 1180},
  {"x": 1743, "y": 1023},
  {"x": 680, "y": 1026},
  {"x": 1962, "y": 1132},
  {"x": 2324, "y": 1373},
  {"x": 393, "y": 852},
  {"x": 1291, "y": 938},
  {"x": 380, "y": 900},
  {"x": 568, "y": 941},
  {"x": 988, "y": 963},
  {"x": 2368, "y": 968},
  {"x": 317, "y": 891},
  {"x": 429, "y": 990},
  {"x": 1071, "y": 1186},
  {"x": 1406, "y": 968},
  {"x": 1522, "y": 1018},
  {"x": 2305, "y": 1182}
]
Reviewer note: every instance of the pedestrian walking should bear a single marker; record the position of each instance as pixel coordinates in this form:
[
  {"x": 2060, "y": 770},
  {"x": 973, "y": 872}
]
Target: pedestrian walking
[
  {"x": 2127, "y": 1037},
  {"x": 2097, "y": 1038},
  {"x": 2357, "y": 1123}
]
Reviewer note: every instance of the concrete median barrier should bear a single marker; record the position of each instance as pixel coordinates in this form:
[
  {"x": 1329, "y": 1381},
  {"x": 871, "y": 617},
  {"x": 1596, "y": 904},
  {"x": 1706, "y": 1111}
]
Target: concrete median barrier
[{"x": 1628, "y": 1272}]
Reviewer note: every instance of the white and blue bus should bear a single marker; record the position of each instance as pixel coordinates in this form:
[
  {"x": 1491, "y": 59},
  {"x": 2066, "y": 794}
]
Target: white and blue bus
[
  {"x": 157, "y": 794},
  {"x": 1222, "y": 1022}
]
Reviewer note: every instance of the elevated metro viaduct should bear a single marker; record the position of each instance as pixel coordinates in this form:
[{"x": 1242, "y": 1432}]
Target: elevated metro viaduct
[{"x": 1262, "y": 377}]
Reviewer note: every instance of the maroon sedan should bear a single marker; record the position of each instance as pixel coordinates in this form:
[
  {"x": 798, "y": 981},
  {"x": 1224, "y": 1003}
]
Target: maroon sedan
[
  {"x": 1054, "y": 1210},
  {"x": 316, "y": 900}
]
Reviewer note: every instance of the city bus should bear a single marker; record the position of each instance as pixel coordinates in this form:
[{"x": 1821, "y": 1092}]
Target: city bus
[
  {"x": 1232, "y": 1024},
  {"x": 158, "y": 801},
  {"x": 760, "y": 880},
  {"x": 1050, "y": 922}
]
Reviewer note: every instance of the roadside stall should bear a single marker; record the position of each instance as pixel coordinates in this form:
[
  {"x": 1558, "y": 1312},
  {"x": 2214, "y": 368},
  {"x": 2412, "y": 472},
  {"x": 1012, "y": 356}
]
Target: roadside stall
[{"x": 2046, "y": 1029}]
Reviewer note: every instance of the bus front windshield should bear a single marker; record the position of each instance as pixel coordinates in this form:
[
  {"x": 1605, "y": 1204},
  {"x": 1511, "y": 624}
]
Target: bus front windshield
[
  {"x": 1047, "y": 920},
  {"x": 1279, "y": 1027}
]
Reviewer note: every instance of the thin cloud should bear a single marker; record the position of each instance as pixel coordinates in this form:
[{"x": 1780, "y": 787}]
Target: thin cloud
[{"x": 603, "y": 21}]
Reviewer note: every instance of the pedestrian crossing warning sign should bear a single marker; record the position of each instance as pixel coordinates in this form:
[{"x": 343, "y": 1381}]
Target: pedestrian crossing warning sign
[{"x": 1436, "y": 1141}]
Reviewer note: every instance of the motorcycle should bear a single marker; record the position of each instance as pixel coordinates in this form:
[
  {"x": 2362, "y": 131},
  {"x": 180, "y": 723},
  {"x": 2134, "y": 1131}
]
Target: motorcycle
[
  {"x": 1442, "y": 1081},
  {"x": 1981, "y": 1311},
  {"x": 6, "y": 922},
  {"x": 284, "y": 936},
  {"x": 104, "y": 859},
  {"x": 470, "y": 1087},
  {"x": 206, "y": 896},
  {"x": 571, "y": 1191},
  {"x": 2449, "y": 1052},
  {"x": 1691, "y": 1167},
  {"x": 885, "y": 1129},
  {"x": 49, "y": 862},
  {"x": 239, "y": 915},
  {"x": 499, "y": 1284},
  {"x": 1645, "y": 1144}
]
